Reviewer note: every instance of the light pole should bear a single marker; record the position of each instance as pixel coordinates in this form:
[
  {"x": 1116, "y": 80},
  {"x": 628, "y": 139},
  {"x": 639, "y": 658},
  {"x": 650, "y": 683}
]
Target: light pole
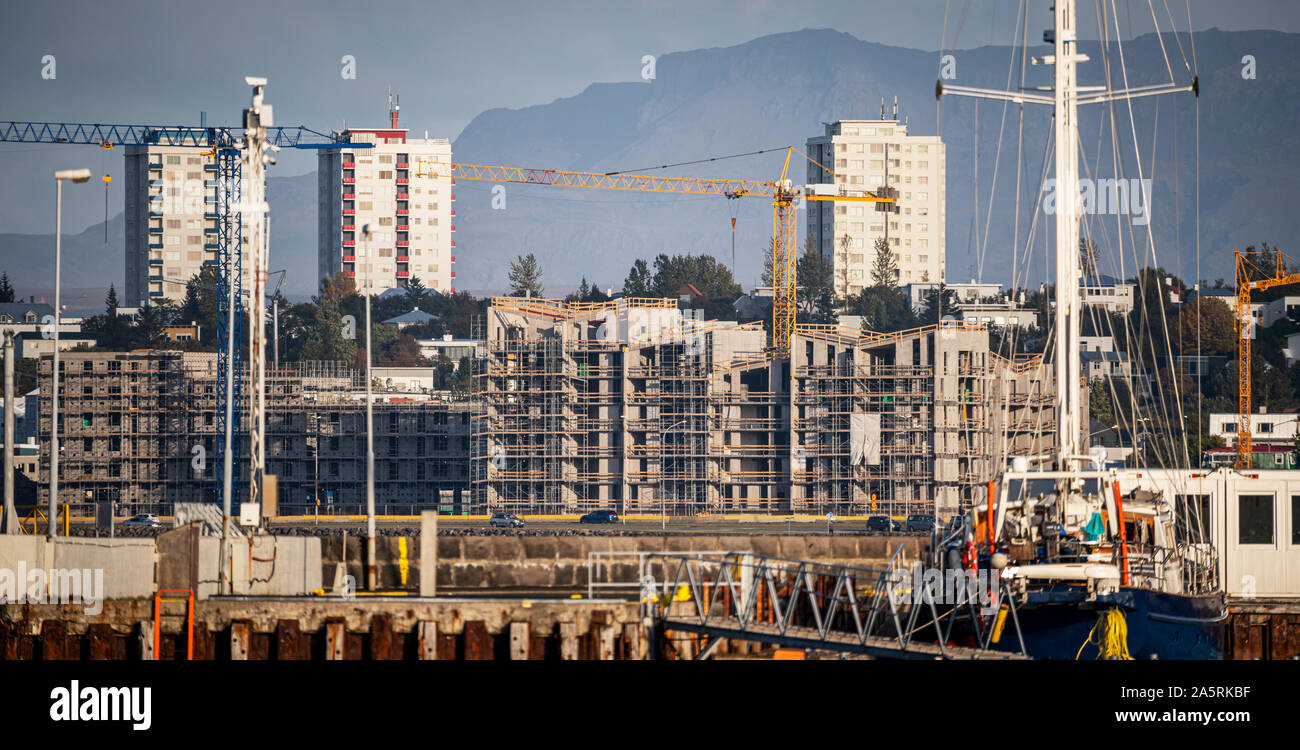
[
  {"x": 370, "y": 428},
  {"x": 78, "y": 176},
  {"x": 663, "y": 510}
]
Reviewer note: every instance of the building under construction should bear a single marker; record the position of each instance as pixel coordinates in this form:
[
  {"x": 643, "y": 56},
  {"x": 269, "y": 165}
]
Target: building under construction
[
  {"x": 635, "y": 405},
  {"x": 142, "y": 427}
]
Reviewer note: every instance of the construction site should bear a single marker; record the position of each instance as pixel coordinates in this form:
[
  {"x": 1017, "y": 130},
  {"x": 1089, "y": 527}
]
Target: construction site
[
  {"x": 640, "y": 406},
  {"x": 143, "y": 429}
]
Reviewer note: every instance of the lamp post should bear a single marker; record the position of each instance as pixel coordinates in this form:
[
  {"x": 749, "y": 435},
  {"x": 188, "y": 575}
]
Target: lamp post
[
  {"x": 77, "y": 176},
  {"x": 370, "y": 428},
  {"x": 663, "y": 511}
]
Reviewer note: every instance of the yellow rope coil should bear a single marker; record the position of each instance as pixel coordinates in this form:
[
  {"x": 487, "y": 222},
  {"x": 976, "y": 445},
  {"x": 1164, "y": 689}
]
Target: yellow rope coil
[{"x": 1112, "y": 640}]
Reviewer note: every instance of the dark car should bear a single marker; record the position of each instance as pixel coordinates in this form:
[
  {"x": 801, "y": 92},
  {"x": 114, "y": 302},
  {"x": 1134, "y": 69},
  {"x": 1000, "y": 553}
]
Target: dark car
[
  {"x": 883, "y": 523},
  {"x": 919, "y": 523},
  {"x": 508, "y": 520},
  {"x": 600, "y": 516}
]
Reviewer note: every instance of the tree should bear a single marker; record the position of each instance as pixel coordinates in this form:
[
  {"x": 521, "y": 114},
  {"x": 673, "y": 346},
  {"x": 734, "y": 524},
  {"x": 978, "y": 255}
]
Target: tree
[
  {"x": 525, "y": 277},
  {"x": 110, "y": 302},
  {"x": 883, "y": 309},
  {"x": 937, "y": 304},
  {"x": 884, "y": 271},
  {"x": 815, "y": 295},
  {"x": 201, "y": 303},
  {"x": 416, "y": 293},
  {"x": 1100, "y": 407},
  {"x": 1206, "y": 320},
  {"x": 6, "y": 290},
  {"x": 637, "y": 283},
  {"x": 1087, "y": 257},
  {"x": 328, "y": 338},
  {"x": 769, "y": 264},
  {"x": 704, "y": 272}
]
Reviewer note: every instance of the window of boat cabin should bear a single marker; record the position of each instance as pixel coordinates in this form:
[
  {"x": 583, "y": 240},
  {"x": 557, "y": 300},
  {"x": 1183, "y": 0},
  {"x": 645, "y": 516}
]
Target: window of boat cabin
[
  {"x": 1192, "y": 519},
  {"x": 1254, "y": 519}
]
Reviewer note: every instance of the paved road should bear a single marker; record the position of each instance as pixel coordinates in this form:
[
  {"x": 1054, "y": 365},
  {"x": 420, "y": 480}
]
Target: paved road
[{"x": 673, "y": 526}]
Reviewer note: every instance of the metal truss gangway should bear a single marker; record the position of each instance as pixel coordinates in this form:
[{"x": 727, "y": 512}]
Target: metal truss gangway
[{"x": 798, "y": 604}]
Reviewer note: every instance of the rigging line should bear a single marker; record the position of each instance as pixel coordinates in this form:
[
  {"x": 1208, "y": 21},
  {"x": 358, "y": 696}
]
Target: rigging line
[
  {"x": 1160, "y": 38},
  {"x": 705, "y": 161},
  {"x": 1152, "y": 249},
  {"x": 1173, "y": 27},
  {"x": 997, "y": 159},
  {"x": 1191, "y": 37}
]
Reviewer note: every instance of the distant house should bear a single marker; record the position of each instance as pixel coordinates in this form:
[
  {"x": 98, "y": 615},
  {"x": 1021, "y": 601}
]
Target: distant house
[
  {"x": 1107, "y": 292},
  {"x": 31, "y": 345},
  {"x": 414, "y": 317},
  {"x": 752, "y": 306},
  {"x": 1262, "y": 457}
]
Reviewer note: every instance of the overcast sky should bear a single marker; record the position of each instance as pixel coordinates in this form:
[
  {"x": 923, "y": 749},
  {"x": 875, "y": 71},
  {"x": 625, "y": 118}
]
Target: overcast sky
[{"x": 165, "y": 62}]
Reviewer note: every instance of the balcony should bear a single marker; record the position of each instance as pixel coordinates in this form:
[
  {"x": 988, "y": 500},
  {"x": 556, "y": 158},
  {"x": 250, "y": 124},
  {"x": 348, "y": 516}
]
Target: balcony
[
  {"x": 453, "y": 243},
  {"x": 156, "y": 278},
  {"x": 155, "y": 212},
  {"x": 349, "y": 259},
  {"x": 209, "y": 183},
  {"x": 155, "y": 183},
  {"x": 209, "y": 199},
  {"x": 349, "y": 212},
  {"x": 156, "y": 294},
  {"x": 453, "y": 259},
  {"x": 155, "y": 165},
  {"x": 403, "y": 259},
  {"x": 403, "y": 165},
  {"x": 453, "y": 274},
  {"x": 350, "y": 273},
  {"x": 403, "y": 228},
  {"x": 403, "y": 211},
  {"x": 349, "y": 180},
  {"x": 211, "y": 215},
  {"x": 349, "y": 196},
  {"x": 453, "y": 212},
  {"x": 403, "y": 196},
  {"x": 155, "y": 261},
  {"x": 211, "y": 246},
  {"x": 210, "y": 262},
  {"x": 155, "y": 246},
  {"x": 403, "y": 274},
  {"x": 453, "y": 196},
  {"x": 403, "y": 243},
  {"x": 209, "y": 230},
  {"x": 453, "y": 227},
  {"x": 349, "y": 165},
  {"x": 155, "y": 230},
  {"x": 349, "y": 243},
  {"x": 210, "y": 167},
  {"x": 403, "y": 180}
]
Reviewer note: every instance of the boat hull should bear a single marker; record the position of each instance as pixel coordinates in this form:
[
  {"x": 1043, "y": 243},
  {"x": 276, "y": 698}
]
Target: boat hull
[{"x": 1056, "y": 620}]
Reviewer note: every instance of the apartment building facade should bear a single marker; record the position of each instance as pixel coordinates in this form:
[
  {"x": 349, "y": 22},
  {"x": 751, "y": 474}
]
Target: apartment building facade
[
  {"x": 171, "y": 213},
  {"x": 402, "y": 189},
  {"x": 869, "y": 155}
]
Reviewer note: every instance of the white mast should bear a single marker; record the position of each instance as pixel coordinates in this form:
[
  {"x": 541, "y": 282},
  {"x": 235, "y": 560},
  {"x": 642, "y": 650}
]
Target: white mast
[{"x": 1068, "y": 310}]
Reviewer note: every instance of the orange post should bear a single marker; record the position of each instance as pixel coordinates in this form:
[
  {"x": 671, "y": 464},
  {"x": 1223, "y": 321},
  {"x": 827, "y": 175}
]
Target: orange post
[
  {"x": 189, "y": 624},
  {"x": 157, "y": 624},
  {"x": 1123, "y": 542}
]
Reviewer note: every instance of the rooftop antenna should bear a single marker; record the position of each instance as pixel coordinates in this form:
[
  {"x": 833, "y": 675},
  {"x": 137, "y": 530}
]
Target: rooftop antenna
[
  {"x": 895, "y": 107},
  {"x": 393, "y": 107},
  {"x": 882, "y": 108}
]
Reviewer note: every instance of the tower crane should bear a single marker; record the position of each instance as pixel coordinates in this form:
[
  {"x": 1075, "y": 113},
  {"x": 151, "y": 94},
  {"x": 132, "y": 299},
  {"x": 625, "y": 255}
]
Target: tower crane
[
  {"x": 225, "y": 145},
  {"x": 783, "y": 194},
  {"x": 1252, "y": 276}
]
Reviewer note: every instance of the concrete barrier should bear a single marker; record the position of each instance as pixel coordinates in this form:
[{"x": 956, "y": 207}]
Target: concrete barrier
[{"x": 128, "y": 565}]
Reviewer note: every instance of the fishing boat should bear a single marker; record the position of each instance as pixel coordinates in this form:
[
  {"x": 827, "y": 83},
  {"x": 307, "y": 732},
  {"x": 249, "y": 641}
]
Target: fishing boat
[{"x": 1089, "y": 561}]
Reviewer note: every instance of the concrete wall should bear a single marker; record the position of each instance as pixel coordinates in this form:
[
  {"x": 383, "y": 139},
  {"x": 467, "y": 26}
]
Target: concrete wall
[
  {"x": 474, "y": 562},
  {"x": 128, "y": 564},
  {"x": 280, "y": 565}
]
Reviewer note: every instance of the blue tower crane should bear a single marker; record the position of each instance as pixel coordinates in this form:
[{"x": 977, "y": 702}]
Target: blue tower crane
[{"x": 224, "y": 144}]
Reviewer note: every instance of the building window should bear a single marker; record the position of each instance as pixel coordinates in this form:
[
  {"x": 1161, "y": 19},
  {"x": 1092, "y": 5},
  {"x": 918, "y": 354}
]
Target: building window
[{"x": 1254, "y": 519}]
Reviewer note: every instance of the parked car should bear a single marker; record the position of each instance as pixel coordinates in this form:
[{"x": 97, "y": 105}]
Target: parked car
[
  {"x": 883, "y": 523},
  {"x": 507, "y": 520},
  {"x": 142, "y": 520},
  {"x": 920, "y": 523},
  {"x": 600, "y": 516}
]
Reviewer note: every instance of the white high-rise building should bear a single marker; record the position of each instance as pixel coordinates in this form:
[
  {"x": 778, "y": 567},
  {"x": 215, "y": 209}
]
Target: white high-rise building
[
  {"x": 867, "y": 155},
  {"x": 171, "y": 221},
  {"x": 410, "y": 213}
]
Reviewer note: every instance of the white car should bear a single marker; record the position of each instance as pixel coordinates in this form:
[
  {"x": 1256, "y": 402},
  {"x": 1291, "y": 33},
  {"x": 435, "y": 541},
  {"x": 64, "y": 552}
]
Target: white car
[{"x": 142, "y": 520}]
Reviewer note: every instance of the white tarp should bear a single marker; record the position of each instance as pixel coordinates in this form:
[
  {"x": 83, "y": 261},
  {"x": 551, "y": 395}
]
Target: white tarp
[{"x": 864, "y": 439}]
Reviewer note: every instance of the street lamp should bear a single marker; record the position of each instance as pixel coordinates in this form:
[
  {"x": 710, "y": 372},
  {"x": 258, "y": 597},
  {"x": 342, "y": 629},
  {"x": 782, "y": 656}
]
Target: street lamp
[
  {"x": 370, "y": 427},
  {"x": 663, "y": 510},
  {"x": 78, "y": 176}
]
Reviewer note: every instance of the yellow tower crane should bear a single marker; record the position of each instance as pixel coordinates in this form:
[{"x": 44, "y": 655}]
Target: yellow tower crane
[
  {"x": 783, "y": 194},
  {"x": 1252, "y": 276}
]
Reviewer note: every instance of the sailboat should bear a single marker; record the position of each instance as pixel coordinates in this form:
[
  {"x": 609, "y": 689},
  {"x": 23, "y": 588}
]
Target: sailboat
[{"x": 1097, "y": 562}]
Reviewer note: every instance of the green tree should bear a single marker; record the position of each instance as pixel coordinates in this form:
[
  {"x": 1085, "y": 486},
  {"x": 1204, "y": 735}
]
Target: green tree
[
  {"x": 769, "y": 264},
  {"x": 1100, "y": 407},
  {"x": 6, "y": 290},
  {"x": 330, "y": 337},
  {"x": 416, "y": 293},
  {"x": 884, "y": 270},
  {"x": 704, "y": 272},
  {"x": 525, "y": 277},
  {"x": 938, "y": 303},
  {"x": 110, "y": 302},
  {"x": 883, "y": 309},
  {"x": 1206, "y": 321},
  {"x": 815, "y": 295},
  {"x": 638, "y": 282}
]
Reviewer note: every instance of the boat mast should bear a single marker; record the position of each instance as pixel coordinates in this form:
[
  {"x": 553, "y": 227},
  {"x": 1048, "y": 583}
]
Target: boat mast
[{"x": 1068, "y": 307}]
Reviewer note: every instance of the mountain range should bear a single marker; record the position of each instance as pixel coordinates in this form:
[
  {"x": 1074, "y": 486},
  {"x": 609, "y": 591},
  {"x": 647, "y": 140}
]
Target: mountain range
[{"x": 775, "y": 91}]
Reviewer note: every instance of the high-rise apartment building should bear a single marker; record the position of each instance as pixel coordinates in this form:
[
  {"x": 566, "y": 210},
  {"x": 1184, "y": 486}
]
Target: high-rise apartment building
[
  {"x": 868, "y": 155},
  {"x": 171, "y": 220},
  {"x": 390, "y": 187}
]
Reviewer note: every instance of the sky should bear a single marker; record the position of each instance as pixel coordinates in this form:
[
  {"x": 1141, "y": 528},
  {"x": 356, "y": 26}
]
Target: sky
[{"x": 165, "y": 63}]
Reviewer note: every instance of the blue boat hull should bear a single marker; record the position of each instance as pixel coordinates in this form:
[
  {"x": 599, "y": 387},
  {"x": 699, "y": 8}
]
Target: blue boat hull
[{"x": 1056, "y": 620}]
